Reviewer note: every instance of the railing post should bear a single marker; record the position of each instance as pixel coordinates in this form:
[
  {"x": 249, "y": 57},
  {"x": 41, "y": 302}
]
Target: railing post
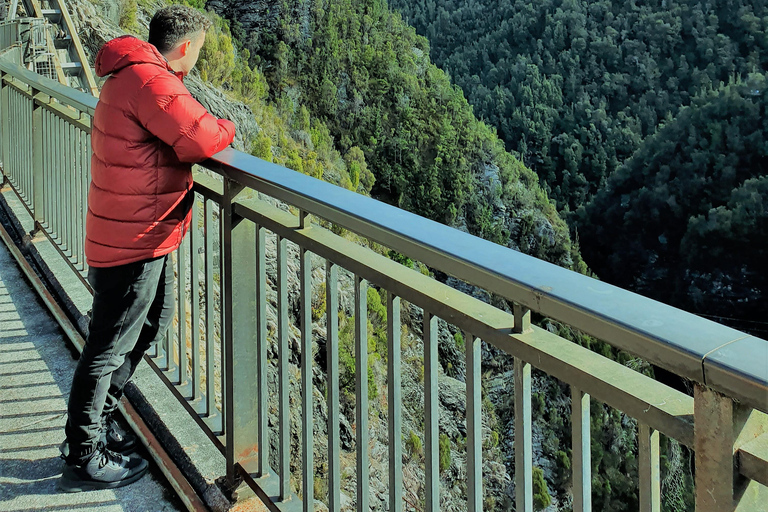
[
  {"x": 720, "y": 427},
  {"x": 713, "y": 442},
  {"x": 240, "y": 338}
]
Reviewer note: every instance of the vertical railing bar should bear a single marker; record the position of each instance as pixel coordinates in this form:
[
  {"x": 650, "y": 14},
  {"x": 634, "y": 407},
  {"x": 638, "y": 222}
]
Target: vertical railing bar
[
  {"x": 194, "y": 265},
  {"x": 31, "y": 148},
  {"x": 74, "y": 192},
  {"x": 20, "y": 177},
  {"x": 227, "y": 326},
  {"x": 62, "y": 192},
  {"x": 332, "y": 360},
  {"x": 19, "y": 172},
  {"x": 60, "y": 214},
  {"x": 361, "y": 391},
  {"x": 394, "y": 398},
  {"x": 67, "y": 177},
  {"x": 81, "y": 183},
  {"x": 582, "y": 468},
  {"x": 59, "y": 182},
  {"x": 210, "y": 350},
  {"x": 650, "y": 473},
  {"x": 40, "y": 207},
  {"x": 307, "y": 387},
  {"x": 41, "y": 210},
  {"x": 523, "y": 437},
  {"x": 431, "y": 414},
  {"x": 85, "y": 179},
  {"x": 37, "y": 169},
  {"x": 284, "y": 424},
  {"x": 474, "y": 424},
  {"x": 261, "y": 369},
  {"x": 181, "y": 256},
  {"x": 86, "y": 182},
  {"x": 73, "y": 242},
  {"x": 224, "y": 290}
]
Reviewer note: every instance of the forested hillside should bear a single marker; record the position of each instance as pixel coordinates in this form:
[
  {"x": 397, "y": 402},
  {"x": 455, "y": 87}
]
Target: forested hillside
[
  {"x": 346, "y": 91},
  {"x": 367, "y": 79},
  {"x": 575, "y": 86},
  {"x": 624, "y": 109},
  {"x": 685, "y": 219}
]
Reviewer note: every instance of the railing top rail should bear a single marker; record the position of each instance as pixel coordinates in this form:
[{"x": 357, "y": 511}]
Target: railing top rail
[
  {"x": 66, "y": 95},
  {"x": 691, "y": 346},
  {"x": 688, "y": 345}
]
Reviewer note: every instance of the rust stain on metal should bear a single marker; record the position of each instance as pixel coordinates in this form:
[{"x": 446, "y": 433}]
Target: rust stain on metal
[{"x": 249, "y": 452}]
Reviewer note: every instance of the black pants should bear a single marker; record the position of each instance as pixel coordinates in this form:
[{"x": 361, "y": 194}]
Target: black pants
[{"x": 132, "y": 309}]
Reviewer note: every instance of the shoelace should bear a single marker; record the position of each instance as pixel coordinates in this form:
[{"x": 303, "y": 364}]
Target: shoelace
[
  {"x": 108, "y": 456},
  {"x": 110, "y": 425}
]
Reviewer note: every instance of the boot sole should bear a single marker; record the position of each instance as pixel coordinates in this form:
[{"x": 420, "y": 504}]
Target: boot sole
[{"x": 66, "y": 485}]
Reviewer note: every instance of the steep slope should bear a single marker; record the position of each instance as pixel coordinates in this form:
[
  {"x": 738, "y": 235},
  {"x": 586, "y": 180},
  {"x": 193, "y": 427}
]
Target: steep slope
[
  {"x": 574, "y": 87},
  {"x": 365, "y": 75},
  {"x": 684, "y": 220}
]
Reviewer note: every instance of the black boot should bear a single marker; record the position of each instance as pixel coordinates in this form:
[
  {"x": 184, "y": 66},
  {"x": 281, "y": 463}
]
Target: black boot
[
  {"x": 116, "y": 439},
  {"x": 102, "y": 469}
]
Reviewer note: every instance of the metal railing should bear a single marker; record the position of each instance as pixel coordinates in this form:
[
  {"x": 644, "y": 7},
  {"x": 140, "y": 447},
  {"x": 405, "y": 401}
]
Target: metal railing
[{"x": 223, "y": 284}]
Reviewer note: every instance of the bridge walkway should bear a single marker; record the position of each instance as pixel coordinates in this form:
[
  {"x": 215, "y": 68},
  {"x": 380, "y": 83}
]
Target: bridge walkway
[{"x": 36, "y": 368}]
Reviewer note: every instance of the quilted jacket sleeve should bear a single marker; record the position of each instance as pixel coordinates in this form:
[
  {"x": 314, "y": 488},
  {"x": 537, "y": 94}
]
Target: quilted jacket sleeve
[{"x": 167, "y": 110}]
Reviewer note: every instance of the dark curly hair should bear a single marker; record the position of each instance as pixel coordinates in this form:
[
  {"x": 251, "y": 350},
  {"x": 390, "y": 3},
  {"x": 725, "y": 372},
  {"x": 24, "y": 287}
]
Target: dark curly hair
[{"x": 171, "y": 24}]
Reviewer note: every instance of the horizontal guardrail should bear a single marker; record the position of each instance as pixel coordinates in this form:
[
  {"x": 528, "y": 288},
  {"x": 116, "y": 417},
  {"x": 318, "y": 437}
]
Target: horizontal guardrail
[{"x": 675, "y": 340}]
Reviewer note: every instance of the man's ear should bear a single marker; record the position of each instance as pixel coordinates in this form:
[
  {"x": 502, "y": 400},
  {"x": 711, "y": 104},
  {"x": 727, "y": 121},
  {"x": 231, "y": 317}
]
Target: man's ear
[{"x": 184, "y": 48}]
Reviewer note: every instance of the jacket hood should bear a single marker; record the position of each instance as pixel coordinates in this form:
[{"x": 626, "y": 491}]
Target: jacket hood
[{"x": 126, "y": 51}]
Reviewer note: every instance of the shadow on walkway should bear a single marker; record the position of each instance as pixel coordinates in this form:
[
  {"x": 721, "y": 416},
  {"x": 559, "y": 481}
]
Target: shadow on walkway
[{"x": 35, "y": 375}]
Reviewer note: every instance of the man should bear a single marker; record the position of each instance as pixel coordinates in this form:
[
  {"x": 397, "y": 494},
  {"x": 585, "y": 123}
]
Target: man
[{"x": 147, "y": 131}]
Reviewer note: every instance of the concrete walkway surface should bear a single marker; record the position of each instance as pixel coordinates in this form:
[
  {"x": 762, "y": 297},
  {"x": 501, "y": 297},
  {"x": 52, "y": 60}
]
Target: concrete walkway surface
[{"x": 36, "y": 369}]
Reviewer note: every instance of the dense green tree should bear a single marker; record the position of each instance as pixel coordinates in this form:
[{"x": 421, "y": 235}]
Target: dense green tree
[
  {"x": 574, "y": 87},
  {"x": 367, "y": 76},
  {"x": 684, "y": 220}
]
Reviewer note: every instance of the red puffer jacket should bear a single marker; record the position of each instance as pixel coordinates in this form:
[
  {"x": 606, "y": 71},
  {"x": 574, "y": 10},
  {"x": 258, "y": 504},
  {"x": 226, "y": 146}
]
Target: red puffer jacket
[{"x": 147, "y": 131}]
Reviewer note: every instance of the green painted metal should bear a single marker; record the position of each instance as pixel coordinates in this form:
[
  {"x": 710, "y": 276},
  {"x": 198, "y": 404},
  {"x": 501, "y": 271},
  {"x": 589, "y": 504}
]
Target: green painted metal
[
  {"x": 431, "y": 415},
  {"x": 194, "y": 261},
  {"x": 649, "y": 468},
  {"x": 473, "y": 348},
  {"x": 581, "y": 463},
  {"x": 283, "y": 354},
  {"x": 307, "y": 386},
  {"x": 181, "y": 310},
  {"x": 211, "y": 411},
  {"x": 361, "y": 393},
  {"x": 240, "y": 393},
  {"x": 523, "y": 437},
  {"x": 332, "y": 382},
  {"x": 262, "y": 439},
  {"x": 394, "y": 403},
  {"x": 38, "y": 158}
]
